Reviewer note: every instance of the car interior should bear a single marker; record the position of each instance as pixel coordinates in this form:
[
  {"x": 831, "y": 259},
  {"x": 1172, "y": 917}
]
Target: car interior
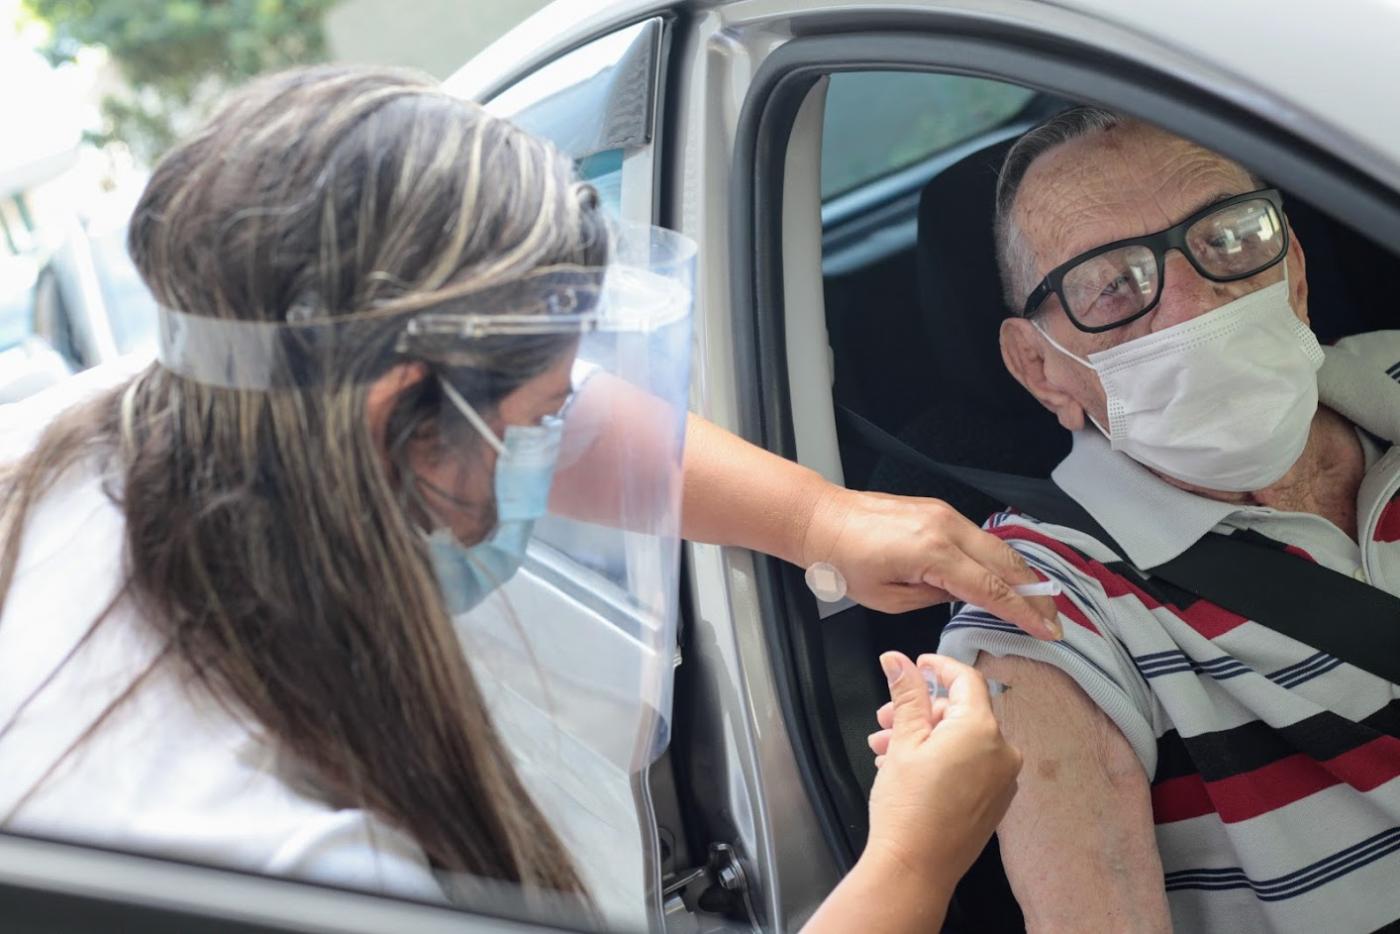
[{"x": 912, "y": 328}]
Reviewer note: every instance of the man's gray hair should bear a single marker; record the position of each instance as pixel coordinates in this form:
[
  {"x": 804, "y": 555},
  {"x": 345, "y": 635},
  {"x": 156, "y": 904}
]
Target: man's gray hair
[{"x": 1014, "y": 259}]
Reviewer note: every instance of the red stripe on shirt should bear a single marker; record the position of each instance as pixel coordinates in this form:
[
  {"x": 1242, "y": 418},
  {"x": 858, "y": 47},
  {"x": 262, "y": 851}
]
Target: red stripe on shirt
[
  {"x": 1388, "y": 528},
  {"x": 1204, "y": 617},
  {"x": 1066, "y": 607},
  {"x": 1208, "y": 619},
  {"x": 1299, "y": 553},
  {"x": 1278, "y": 784},
  {"x": 1180, "y": 799},
  {"x": 1269, "y": 787},
  {"x": 1114, "y": 585},
  {"x": 1369, "y": 765}
]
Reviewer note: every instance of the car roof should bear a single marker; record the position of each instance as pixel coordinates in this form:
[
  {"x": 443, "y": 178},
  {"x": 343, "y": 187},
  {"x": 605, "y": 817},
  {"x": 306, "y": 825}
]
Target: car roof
[{"x": 1324, "y": 70}]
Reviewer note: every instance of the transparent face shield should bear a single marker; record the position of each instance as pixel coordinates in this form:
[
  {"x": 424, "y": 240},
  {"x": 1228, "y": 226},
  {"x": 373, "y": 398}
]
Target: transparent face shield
[{"x": 562, "y": 573}]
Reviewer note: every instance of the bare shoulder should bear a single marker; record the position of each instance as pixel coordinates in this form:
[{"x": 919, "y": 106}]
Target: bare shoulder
[
  {"x": 1077, "y": 842},
  {"x": 1051, "y": 719}
]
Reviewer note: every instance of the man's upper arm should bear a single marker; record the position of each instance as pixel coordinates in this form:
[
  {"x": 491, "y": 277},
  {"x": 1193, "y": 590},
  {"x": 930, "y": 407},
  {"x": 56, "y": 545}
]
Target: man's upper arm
[{"x": 1078, "y": 842}]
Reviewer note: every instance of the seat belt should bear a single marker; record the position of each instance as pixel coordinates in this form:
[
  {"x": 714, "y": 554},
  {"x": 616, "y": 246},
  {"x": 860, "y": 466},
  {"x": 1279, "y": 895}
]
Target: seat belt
[
  {"x": 1258, "y": 580},
  {"x": 1038, "y": 496}
]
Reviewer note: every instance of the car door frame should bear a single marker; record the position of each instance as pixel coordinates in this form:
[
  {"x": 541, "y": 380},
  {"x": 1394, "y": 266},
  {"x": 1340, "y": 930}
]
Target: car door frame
[{"x": 61, "y": 887}]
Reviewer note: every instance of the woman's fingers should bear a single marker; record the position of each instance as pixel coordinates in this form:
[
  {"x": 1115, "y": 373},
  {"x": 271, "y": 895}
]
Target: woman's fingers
[
  {"x": 913, "y": 712},
  {"x": 1001, "y": 559},
  {"x": 879, "y": 742},
  {"x": 885, "y": 715},
  {"x": 969, "y": 579},
  {"x": 967, "y": 689}
]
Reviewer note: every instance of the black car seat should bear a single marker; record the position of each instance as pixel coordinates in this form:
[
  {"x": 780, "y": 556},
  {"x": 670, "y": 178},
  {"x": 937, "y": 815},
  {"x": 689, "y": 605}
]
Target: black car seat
[{"x": 974, "y": 412}]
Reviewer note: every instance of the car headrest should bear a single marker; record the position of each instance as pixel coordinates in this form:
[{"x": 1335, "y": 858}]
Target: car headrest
[{"x": 982, "y": 415}]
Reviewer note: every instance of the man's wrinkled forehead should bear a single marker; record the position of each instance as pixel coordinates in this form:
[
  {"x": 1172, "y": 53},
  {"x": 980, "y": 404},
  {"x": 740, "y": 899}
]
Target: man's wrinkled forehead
[{"x": 1123, "y": 182}]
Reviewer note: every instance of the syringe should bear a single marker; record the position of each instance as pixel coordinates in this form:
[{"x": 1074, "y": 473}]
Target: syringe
[{"x": 994, "y": 688}]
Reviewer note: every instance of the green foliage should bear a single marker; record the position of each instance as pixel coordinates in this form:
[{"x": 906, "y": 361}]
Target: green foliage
[{"x": 177, "y": 56}]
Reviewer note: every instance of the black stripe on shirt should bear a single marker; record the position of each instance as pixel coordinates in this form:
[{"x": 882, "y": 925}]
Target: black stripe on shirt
[
  {"x": 1223, "y": 753},
  {"x": 1223, "y": 667}
]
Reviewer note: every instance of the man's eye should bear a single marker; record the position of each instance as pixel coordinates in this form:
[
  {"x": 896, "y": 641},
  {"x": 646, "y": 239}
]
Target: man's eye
[{"x": 1115, "y": 288}]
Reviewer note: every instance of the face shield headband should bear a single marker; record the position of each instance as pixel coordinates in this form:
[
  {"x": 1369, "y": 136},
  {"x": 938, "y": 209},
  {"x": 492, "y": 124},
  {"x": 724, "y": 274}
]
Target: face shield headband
[
  {"x": 305, "y": 350},
  {"x": 588, "y": 621}
]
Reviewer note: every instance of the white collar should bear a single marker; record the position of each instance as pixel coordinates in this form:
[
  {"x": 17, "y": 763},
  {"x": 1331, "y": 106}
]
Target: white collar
[{"x": 1152, "y": 520}]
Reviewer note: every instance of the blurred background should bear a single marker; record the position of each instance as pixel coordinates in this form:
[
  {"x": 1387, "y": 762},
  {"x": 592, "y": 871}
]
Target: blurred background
[{"x": 92, "y": 92}]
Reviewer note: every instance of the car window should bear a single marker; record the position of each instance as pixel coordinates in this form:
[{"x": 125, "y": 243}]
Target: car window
[
  {"x": 879, "y": 122},
  {"x": 603, "y": 170},
  {"x": 588, "y": 103},
  {"x": 596, "y": 98}
]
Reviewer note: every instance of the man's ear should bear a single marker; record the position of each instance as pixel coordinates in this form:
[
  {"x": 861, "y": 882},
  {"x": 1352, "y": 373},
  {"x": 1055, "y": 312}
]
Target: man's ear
[
  {"x": 1023, "y": 350},
  {"x": 383, "y": 393},
  {"x": 1297, "y": 276}
]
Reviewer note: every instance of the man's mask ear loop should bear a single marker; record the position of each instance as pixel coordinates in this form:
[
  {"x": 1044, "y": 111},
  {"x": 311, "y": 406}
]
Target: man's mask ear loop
[{"x": 1079, "y": 360}]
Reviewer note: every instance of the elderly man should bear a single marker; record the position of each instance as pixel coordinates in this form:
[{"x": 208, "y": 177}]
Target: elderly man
[{"x": 1160, "y": 310}]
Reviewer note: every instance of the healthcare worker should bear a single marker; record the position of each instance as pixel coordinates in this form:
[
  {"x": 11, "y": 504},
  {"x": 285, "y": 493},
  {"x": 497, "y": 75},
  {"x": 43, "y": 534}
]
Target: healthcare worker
[{"x": 399, "y": 340}]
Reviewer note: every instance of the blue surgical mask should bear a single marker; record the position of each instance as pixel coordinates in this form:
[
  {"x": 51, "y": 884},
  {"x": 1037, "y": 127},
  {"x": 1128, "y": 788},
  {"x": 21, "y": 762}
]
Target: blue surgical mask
[{"x": 525, "y": 461}]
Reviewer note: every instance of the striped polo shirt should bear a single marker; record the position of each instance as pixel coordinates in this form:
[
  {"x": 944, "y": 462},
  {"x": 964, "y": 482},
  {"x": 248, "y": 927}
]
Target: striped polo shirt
[{"x": 1274, "y": 768}]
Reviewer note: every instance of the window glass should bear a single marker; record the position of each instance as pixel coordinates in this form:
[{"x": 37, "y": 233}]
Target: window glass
[
  {"x": 877, "y": 122},
  {"x": 587, "y": 103},
  {"x": 593, "y": 99},
  {"x": 604, "y": 171}
]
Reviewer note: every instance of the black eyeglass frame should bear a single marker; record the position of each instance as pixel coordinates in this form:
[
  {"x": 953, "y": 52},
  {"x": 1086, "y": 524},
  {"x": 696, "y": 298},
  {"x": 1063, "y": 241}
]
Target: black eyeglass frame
[{"x": 1173, "y": 238}]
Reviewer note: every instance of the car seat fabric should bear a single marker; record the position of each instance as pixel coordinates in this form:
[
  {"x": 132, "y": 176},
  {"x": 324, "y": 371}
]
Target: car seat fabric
[{"x": 974, "y": 413}]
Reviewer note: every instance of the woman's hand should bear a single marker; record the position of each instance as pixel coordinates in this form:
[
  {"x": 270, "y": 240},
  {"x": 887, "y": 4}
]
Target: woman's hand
[
  {"x": 946, "y": 778},
  {"x": 946, "y": 774},
  {"x": 897, "y": 553},
  {"x": 900, "y": 553}
]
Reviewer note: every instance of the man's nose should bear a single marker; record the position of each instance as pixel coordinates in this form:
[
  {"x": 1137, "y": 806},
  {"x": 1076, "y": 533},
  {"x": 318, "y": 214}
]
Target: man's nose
[{"x": 1186, "y": 294}]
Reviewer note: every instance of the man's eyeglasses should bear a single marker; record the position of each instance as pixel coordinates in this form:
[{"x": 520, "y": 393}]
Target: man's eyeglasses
[{"x": 1111, "y": 285}]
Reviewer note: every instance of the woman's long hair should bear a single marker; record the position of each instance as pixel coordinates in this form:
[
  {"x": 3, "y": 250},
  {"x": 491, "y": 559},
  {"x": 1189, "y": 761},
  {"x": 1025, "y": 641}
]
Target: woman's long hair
[{"x": 268, "y": 540}]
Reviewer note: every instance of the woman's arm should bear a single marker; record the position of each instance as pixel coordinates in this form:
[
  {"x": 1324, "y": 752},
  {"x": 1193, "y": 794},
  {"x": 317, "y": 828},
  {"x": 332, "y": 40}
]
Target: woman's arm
[
  {"x": 897, "y": 553},
  {"x": 946, "y": 778}
]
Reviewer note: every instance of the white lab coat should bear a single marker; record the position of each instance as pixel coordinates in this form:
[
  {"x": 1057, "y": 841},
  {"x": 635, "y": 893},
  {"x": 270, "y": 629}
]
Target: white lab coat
[{"x": 171, "y": 772}]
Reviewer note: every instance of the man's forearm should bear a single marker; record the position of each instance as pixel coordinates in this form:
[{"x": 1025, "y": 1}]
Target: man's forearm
[{"x": 735, "y": 493}]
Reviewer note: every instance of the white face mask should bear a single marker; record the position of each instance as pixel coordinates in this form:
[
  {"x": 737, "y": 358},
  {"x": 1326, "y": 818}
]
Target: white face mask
[{"x": 1224, "y": 401}]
